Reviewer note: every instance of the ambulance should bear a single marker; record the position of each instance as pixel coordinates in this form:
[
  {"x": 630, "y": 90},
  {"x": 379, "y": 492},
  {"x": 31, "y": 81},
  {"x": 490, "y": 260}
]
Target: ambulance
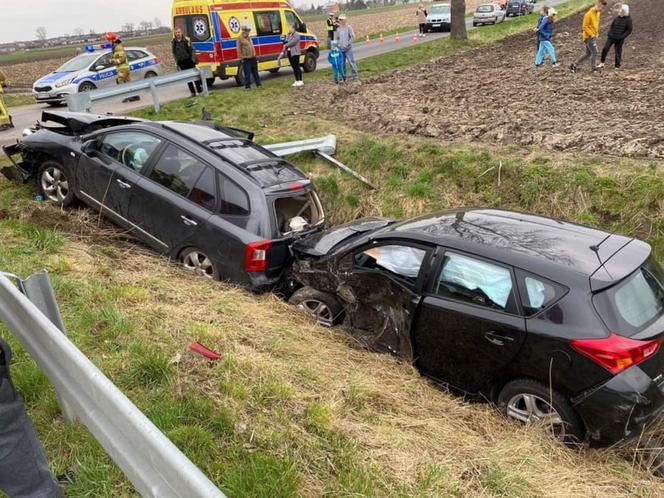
[{"x": 214, "y": 26}]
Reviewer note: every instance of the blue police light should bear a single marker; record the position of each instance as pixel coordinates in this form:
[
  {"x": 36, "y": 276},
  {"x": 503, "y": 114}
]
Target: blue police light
[{"x": 89, "y": 48}]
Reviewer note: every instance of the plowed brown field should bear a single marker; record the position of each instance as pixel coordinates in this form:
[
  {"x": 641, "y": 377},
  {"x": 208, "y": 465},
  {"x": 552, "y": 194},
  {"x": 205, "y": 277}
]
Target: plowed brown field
[{"x": 494, "y": 94}]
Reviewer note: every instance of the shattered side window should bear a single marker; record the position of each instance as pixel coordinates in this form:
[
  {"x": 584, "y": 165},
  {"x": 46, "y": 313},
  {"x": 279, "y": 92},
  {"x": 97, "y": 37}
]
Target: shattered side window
[
  {"x": 402, "y": 261},
  {"x": 475, "y": 281}
]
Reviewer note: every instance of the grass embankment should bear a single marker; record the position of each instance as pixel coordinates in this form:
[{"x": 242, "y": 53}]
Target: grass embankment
[
  {"x": 293, "y": 409},
  {"x": 15, "y": 100}
]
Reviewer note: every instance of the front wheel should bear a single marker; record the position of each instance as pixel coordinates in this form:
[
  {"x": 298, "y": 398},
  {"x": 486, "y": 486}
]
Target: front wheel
[
  {"x": 196, "y": 261},
  {"x": 529, "y": 402},
  {"x": 310, "y": 62},
  {"x": 325, "y": 308},
  {"x": 54, "y": 184},
  {"x": 86, "y": 86},
  {"x": 150, "y": 74}
]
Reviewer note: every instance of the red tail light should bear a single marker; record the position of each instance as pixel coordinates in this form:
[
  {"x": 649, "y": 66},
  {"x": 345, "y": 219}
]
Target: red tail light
[
  {"x": 616, "y": 353},
  {"x": 255, "y": 257}
]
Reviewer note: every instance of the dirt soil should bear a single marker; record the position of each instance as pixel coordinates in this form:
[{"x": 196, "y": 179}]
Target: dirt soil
[{"x": 494, "y": 94}]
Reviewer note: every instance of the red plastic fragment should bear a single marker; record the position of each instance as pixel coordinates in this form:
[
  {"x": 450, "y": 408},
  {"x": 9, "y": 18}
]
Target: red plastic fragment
[{"x": 198, "y": 348}]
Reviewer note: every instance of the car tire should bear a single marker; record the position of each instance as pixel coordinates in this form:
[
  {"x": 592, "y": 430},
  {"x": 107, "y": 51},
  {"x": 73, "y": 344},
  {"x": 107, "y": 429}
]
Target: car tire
[
  {"x": 150, "y": 74},
  {"x": 239, "y": 77},
  {"x": 527, "y": 400},
  {"x": 196, "y": 261},
  {"x": 54, "y": 185},
  {"x": 86, "y": 86},
  {"x": 55, "y": 104},
  {"x": 474, "y": 24},
  {"x": 323, "y": 306},
  {"x": 310, "y": 62}
]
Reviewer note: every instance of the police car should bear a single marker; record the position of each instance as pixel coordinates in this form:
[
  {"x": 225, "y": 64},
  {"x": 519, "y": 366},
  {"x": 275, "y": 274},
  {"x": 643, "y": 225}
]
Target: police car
[{"x": 91, "y": 70}]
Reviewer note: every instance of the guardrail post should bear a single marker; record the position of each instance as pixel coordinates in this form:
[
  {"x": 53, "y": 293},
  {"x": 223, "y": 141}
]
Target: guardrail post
[
  {"x": 205, "y": 73},
  {"x": 39, "y": 290},
  {"x": 155, "y": 97}
]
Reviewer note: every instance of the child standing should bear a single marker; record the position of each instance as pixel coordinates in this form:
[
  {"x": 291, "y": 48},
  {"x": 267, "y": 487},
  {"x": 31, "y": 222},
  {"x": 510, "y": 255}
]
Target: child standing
[
  {"x": 545, "y": 33},
  {"x": 336, "y": 60}
]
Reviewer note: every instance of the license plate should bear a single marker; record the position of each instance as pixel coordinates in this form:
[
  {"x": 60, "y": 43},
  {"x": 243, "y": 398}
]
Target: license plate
[
  {"x": 436, "y": 25},
  {"x": 43, "y": 96}
]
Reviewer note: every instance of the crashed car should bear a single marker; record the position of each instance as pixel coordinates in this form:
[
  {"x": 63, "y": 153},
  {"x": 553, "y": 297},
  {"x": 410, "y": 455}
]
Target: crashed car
[
  {"x": 206, "y": 196},
  {"x": 557, "y": 323}
]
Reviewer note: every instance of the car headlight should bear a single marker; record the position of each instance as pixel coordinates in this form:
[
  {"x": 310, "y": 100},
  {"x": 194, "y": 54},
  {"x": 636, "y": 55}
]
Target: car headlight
[{"x": 64, "y": 83}]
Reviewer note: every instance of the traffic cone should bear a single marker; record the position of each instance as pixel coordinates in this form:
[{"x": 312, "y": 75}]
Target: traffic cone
[
  {"x": 397, "y": 38},
  {"x": 382, "y": 40},
  {"x": 368, "y": 40}
]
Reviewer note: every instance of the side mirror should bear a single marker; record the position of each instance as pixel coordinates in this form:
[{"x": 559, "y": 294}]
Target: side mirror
[
  {"x": 99, "y": 68},
  {"x": 89, "y": 147}
]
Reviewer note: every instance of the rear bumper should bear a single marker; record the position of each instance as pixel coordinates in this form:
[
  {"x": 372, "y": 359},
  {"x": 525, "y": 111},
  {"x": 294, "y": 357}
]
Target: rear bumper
[{"x": 622, "y": 407}]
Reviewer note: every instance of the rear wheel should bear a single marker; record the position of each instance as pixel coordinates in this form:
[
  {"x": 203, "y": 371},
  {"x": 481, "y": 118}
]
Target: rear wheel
[
  {"x": 210, "y": 82},
  {"x": 54, "y": 184},
  {"x": 310, "y": 62},
  {"x": 196, "y": 261},
  {"x": 529, "y": 401},
  {"x": 325, "y": 308},
  {"x": 150, "y": 74}
]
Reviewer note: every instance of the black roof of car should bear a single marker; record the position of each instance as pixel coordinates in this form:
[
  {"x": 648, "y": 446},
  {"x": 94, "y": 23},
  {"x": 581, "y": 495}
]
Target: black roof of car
[{"x": 554, "y": 249}]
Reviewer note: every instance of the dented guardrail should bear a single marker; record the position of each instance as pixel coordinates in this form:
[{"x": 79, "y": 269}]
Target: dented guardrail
[
  {"x": 154, "y": 465},
  {"x": 83, "y": 102}
]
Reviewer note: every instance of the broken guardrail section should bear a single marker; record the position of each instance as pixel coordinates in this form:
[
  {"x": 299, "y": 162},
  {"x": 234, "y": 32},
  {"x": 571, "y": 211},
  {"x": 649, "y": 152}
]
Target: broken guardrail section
[{"x": 154, "y": 465}]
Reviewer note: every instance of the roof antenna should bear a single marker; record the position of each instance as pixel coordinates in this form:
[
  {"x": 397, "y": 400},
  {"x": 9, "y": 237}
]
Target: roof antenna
[{"x": 596, "y": 248}]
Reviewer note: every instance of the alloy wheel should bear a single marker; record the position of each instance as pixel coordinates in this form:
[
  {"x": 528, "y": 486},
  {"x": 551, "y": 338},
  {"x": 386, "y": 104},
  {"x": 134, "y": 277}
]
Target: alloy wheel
[
  {"x": 198, "y": 263},
  {"x": 54, "y": 184},
  {"x": 318, "y": 310},
  {"x": 529, "y": 408}
]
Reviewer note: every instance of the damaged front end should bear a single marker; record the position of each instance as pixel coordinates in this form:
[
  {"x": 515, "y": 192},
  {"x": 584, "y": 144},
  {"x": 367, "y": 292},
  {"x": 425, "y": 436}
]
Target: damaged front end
[
  {"x": 16, "y": 172},
  {"x": 621, "y": 408}
]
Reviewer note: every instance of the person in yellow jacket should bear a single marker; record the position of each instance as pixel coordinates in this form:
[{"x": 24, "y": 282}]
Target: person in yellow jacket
[
  {"x": 590, "y": 28},
  {"x": 5, "y": 117},
  {"x": 331, "y": 25}
]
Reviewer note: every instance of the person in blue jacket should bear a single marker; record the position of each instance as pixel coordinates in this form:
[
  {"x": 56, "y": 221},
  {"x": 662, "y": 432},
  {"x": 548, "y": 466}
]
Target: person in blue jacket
[
  {"x": 543, "y": 14},
  {"x": 545, "y": 33},
  {"x": 336, "y": 60}
]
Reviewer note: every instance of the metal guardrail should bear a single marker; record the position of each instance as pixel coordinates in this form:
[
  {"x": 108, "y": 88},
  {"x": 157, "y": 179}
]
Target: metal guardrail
[
  {"x": 83, "y": 102},
  {"x": 154, "y": 465}
]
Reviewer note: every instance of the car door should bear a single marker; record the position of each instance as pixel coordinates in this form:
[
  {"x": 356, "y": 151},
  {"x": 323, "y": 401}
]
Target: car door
[
  {"x": 469, "y": 325},
  {"x": 380, "y": 285},
  {"x": 106, "y": 72},
  {"x": 167, "y": 205},
  {"x": 109, "y": 168}
]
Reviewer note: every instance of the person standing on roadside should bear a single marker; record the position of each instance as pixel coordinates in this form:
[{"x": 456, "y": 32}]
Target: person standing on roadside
[
  {"x": 543, "y": 14},
  {"x": 247, "y": 55},
  {"x": 620, "y": 29},
  {"x": 121, "y": 63},
  {"x": 590, "y": 34},
  {"x": 331, "y": 25},
  {"x": 545, "y": 32},
  {"x": 185, "y": 58},
  {"x": 421, "y": 14},
  {"x": 5, "y": 117},
  {"x": 293, "y": 52},
  {"x": 345, "y": 36},
  {"x": 24, "y": 471}
]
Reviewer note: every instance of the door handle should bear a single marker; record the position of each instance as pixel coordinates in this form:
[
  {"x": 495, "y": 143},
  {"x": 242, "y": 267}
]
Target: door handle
[
  {"x": 188, "y": 221},
  {"x": 123, "y": 184},
  {"x": 497, "y": 339}
]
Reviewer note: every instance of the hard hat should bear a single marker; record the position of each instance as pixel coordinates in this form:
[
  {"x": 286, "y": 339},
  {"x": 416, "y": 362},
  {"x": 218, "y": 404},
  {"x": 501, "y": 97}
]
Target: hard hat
[{"x": 110, "y": 36}]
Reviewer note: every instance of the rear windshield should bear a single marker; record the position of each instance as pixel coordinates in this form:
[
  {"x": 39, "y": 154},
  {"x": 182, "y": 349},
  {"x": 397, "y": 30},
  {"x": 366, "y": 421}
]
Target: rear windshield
[
  {"x": 635, "y": 303},
  {"x": 485, "y": 8}
]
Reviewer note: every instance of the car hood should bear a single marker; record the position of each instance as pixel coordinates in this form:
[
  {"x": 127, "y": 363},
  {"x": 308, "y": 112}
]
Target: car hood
[
  {"x": 432, "y": 16},
  {"x": 82, "y": 122},
  {"x": 320, "y": 244},
  {"x": 53, "y": 78}
]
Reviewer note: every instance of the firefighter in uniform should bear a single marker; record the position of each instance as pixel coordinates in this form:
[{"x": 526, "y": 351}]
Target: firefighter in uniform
[
  {"x": 331, "y": 25},
  {"x": 119, "y": 60},
  {"x": 5, "y": 117}
]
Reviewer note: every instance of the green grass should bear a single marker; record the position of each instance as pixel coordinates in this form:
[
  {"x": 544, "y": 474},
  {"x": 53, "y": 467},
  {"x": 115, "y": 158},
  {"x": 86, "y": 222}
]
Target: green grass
[{"x": 16, "y": 100}]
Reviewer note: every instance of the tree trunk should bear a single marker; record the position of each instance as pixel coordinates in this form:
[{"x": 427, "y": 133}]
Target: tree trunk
[{"x": 458, "y": 27}]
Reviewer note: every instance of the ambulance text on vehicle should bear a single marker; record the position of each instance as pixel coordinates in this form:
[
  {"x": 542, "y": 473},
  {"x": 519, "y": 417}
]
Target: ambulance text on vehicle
[{"x": 214, "y": 26}]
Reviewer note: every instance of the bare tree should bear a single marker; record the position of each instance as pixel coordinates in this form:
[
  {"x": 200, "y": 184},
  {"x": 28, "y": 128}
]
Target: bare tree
[
  {"x": 458, "y": 27},
  {"x": 128, "y": 27},
  {"x": 145, "y": 26},
  {"x": 41, "y": 33},
  {"x": 157, "y": 23}
]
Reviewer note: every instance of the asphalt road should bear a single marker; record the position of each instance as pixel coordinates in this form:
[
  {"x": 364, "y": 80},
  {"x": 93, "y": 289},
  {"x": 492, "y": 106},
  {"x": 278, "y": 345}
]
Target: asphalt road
[{"x": 26, "y": 116}]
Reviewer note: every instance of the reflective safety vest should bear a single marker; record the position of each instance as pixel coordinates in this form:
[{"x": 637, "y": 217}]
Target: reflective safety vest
[{"x": 330, "y": 24}]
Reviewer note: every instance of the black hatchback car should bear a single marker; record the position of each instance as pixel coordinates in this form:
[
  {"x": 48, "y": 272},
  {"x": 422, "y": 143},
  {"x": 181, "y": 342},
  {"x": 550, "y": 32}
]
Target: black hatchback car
[
  {"x": 206, "y": 196},
  {"x": 518, "y": 8},
  {"x": 555, "y": 322}
]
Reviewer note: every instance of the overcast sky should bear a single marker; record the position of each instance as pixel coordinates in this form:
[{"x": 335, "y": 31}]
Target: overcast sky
[{"x": 21, "y": 18}]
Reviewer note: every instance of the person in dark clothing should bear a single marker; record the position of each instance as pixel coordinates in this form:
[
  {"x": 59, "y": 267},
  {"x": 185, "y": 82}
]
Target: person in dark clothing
[
  {"x": 185, "y": 58},
  {"x": 620, "y": 29},
  {"x": 23, "y": 468}
]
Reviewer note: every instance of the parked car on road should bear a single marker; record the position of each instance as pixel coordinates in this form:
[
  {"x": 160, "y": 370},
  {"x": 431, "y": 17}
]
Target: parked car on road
[
  {"x": 92, "y": 70},
  {"x": 557, "y": 323},
  {"x": 488, "y": 13},
  {"x": 439, "y": 18},
  {"x": 205, "y": 196},
  {"x": 519, "y": 8}
]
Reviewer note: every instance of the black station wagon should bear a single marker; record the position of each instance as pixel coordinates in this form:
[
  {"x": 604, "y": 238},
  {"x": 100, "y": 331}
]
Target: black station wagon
[
  {"x": 206, "y": 196},
  {"x": 555, "y": 322}
]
